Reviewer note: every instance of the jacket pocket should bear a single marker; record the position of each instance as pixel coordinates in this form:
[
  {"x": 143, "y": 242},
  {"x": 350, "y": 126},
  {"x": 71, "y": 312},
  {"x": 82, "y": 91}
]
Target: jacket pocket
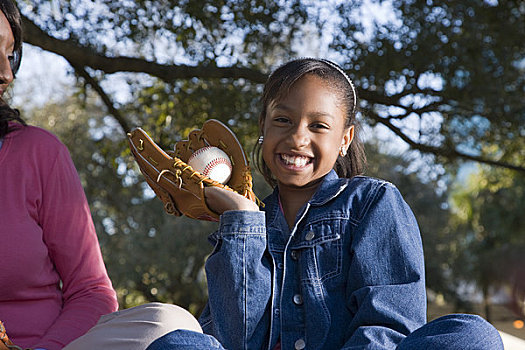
[{"x": 320, "y": 249}]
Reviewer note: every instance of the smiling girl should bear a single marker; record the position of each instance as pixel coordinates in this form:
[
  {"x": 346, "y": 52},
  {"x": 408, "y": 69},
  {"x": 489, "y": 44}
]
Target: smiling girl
[{"x": 335, "y": 259}]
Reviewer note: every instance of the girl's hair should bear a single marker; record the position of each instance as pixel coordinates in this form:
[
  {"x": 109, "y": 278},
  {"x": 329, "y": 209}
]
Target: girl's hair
[
  {"x": 13, "y": 17},
  {"x": 280, "y": 83}
]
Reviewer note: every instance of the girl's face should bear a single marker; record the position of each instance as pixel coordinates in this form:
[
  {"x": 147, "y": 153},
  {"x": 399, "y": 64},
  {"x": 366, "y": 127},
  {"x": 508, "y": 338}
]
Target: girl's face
[
  {"x": 304, "y": 133},
  {"x": 7, "y": 43}
]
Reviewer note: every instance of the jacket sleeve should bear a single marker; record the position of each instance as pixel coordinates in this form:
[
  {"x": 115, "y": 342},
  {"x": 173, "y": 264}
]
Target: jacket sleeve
[
  {"x": 386, "y": 285},
  {"x": 239, "y": 276},
  {"x": 70, "y": 237}
]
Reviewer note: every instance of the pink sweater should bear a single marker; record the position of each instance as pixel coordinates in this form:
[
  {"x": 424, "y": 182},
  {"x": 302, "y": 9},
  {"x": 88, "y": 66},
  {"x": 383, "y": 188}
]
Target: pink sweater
[{"x": 53, "y": 283}]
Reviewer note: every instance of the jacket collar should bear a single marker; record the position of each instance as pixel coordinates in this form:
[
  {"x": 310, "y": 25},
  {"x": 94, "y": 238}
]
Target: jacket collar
[{"x": 331, "y": 186}]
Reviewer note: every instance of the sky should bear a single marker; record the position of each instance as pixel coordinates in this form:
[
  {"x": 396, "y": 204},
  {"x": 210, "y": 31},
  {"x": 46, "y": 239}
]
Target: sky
[{"x": 42, "y": 78}]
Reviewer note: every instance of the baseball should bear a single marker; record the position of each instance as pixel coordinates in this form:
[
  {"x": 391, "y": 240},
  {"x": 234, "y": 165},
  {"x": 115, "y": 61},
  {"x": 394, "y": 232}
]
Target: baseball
[{"x": 212, "y": 162}]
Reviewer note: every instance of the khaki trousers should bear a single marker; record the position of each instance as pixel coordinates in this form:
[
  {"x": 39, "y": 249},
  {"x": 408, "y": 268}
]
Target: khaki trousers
[{"x": 135, "y": 328}]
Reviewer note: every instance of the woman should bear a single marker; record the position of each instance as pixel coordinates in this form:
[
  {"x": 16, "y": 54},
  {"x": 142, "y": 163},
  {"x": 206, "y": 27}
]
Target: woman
[{"x": 53, "y": 282}]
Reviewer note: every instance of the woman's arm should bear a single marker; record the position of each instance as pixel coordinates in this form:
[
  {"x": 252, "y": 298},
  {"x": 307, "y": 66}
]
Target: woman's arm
[
  {"x": 386, "y": 285},
  {"x": 70, "y": 237}
]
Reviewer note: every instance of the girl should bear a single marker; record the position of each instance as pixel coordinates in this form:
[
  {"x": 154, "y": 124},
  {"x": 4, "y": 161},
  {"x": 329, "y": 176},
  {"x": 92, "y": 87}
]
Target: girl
[{"x": 335, "y": 260}]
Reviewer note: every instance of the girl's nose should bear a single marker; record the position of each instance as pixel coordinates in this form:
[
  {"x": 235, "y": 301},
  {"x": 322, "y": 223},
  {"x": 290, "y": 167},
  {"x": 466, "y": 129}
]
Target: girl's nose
[{"x": 299, "y": 136}]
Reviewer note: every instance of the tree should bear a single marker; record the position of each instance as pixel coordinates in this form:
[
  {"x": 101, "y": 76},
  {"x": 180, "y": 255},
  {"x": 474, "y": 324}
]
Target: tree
[
  {"x": 446, "y": 78},
  {"x": 489, "y": 214}
]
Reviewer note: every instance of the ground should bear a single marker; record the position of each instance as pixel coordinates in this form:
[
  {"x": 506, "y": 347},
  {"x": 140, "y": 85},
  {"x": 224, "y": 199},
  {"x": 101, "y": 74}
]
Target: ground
[{"x": 501, "y": 317}]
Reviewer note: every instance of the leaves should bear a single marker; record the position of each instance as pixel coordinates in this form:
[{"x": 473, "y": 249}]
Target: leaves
[
  {"x": 444, "y": 78},
  {"x": 490, "y": 226}
]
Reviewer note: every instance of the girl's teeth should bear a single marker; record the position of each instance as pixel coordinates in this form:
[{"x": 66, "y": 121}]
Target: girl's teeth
[{"x": 297, "y": 161}]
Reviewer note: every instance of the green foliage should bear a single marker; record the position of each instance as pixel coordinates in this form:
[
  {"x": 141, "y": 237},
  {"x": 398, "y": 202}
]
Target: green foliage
[
  {"x": 455, "y": 69},
  {"x": 491, "y": 230},
  {"x": 446, "y": 77},
  {"x": 170, "y": 111},
  {"x": 201, "y": 31}
]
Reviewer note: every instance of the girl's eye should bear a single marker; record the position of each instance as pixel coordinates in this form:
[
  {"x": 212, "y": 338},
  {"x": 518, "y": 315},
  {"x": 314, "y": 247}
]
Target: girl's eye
[
  {"x": 320, "y": 126},
  {"x": 281, "y": 119}
]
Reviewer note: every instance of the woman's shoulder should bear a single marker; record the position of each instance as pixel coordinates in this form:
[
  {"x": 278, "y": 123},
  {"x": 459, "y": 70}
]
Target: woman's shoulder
[
  {"x": 35, "y": 136},
  {"x": 34, "y": 145}
]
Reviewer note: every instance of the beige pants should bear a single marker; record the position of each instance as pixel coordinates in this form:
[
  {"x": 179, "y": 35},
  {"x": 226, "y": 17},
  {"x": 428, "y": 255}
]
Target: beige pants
[{"x": 135, "y": 328}]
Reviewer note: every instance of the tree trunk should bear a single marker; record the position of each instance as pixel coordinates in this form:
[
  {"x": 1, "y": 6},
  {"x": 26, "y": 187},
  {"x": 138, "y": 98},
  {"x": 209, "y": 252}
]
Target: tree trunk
[{"x": 486, "y": 303}]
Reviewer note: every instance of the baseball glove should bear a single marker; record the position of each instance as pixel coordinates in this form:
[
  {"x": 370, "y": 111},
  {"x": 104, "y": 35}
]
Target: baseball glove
[
  {"x": 177, "y": 184},
  {"x": 5, "y": 342}
]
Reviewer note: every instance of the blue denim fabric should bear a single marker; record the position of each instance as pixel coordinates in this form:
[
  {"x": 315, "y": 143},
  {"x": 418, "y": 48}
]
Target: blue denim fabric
[
  {"x": 451, "y": 332},
  {"x": 349, "y": 274},
  {"x": 239, "y": 278},
  {"x": 454, "y": 332},
  {"x": 183, "y": 339}
]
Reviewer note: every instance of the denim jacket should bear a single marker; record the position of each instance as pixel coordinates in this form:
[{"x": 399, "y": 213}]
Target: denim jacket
[{"x": 348, "y": 275}]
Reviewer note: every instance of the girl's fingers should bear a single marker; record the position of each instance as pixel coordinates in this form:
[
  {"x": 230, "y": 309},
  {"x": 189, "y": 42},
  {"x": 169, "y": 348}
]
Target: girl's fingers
[{"x": 220, "y": 200}]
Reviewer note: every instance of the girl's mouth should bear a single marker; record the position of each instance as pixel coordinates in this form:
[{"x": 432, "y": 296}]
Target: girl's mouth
[{"x": 295, "y": 161}]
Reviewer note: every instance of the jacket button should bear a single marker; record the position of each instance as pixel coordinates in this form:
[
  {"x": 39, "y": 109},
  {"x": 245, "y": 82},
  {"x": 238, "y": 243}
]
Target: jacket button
[
  {"x": 300, "y": 344},
  {"x": 298, "y": 299},
  {"x": 295, "y": 255},
  {"x": 310, "y": 235},
  {"x": 280, "y": 266}
]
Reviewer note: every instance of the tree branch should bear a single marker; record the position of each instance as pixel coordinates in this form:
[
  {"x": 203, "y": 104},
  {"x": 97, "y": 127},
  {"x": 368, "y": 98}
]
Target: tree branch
[
  {"x": 105, "y": 98},
  {"x": 441, "y": 151},
  {"x": 82, "y": 56}
]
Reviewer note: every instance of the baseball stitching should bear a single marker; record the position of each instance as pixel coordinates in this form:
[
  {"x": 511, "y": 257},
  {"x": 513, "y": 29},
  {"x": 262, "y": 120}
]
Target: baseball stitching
[
  {"x": 213, "y": 163},
  {"x": 197, "y": 152}
]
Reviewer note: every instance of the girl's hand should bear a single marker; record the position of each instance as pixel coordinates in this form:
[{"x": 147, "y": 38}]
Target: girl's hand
[{"x": 220, "y": 200}]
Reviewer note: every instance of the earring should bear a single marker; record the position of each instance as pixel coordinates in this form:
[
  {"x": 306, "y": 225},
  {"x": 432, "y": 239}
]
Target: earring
[
  {"x": 261, "y": 139},
  {"x": 342, "y": 152}
]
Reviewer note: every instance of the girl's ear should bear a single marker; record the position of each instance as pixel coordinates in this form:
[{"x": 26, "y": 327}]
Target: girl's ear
[
  {"x": 348, "y": 136},
  {"x": 261, "y": 124}
]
